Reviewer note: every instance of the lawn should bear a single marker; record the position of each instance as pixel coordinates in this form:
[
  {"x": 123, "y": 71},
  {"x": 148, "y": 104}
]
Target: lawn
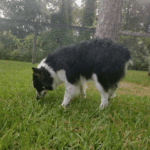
[{"x": 28, "y": 124}]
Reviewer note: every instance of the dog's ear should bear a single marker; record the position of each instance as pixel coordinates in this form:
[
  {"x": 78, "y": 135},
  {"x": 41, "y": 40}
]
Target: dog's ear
[{"x": 36, "y": 71}]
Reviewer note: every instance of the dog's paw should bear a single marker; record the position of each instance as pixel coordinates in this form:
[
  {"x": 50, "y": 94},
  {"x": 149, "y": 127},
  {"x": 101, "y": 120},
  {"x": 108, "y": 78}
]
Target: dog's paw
[
  {"x": 61, "y": 106},
  {"x": 114, "y": 95},
  {"x": 103, "y": 105}
]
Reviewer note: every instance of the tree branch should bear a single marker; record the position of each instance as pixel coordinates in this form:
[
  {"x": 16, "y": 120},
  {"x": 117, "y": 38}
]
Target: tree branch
[
  {"x": 64, "y": 26},
  {"x": 134, "y": 34}
]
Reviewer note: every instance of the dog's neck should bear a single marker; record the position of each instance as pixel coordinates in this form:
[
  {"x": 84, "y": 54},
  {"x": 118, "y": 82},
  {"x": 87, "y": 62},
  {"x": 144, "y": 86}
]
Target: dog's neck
[{"x": 53, "y": 74}]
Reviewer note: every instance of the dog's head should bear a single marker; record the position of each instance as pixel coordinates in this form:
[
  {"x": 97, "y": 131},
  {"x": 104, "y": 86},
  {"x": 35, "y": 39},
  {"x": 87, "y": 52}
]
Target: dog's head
[{"x": 42, "y": 81}]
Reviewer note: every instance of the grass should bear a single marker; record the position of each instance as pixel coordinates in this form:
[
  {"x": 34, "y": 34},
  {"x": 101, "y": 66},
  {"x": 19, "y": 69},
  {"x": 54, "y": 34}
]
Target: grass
[
  {"x": 28, "y": 124},
  {"x": 138, "y": 77}
]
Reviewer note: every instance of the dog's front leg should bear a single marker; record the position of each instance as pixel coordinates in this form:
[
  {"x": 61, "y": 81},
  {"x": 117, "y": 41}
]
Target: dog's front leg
[{"x": 70, "y": 91}]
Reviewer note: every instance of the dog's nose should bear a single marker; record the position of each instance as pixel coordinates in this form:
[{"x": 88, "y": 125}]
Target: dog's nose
[{"x": 37, "y": 97}]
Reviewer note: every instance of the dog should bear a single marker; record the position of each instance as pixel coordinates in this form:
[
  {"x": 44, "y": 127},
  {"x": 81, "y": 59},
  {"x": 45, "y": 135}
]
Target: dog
[{"x": 101, "y": 60}]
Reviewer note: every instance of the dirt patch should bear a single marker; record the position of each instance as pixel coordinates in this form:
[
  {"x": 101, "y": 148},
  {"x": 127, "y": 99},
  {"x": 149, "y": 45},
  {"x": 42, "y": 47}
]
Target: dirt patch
[
  {"x": 133, "y": 89},
  {"x": 128, "y": 88}
]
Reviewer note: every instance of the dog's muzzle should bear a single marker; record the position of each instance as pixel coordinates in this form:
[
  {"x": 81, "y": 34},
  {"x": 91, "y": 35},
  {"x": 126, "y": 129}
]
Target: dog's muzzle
[{"x": 41, "y": 95}]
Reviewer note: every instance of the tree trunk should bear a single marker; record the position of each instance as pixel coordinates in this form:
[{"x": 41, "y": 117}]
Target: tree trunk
[
  {"x": 127, "y": 16},
  {"x": 109, "y": 19},
  {"x": 149, "y": 69},
  {"x": 147, "y": 25},
  {"x": 148, "y": 60},
  {"x": 34, "y": 45}
]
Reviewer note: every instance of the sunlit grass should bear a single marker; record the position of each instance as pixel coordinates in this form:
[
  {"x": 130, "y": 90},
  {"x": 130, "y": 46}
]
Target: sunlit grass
[
  {"x": 26, "y": 123},
  {"x": 139, "y": 77}
]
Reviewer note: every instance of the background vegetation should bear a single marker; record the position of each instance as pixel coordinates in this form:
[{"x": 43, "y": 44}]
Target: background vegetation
[{"x": 16, "y": 40}]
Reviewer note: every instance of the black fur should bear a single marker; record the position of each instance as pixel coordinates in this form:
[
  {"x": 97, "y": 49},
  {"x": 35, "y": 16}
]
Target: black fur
[
  {"x": 101, "y": 56},
  {"x": 42, "y": 79}
]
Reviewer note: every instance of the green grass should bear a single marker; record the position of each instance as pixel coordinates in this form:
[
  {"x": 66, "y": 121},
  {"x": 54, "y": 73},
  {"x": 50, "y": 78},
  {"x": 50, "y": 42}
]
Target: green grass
[
  {"x": 139, "y": 77},
  {"x": 26, "y": 123}
]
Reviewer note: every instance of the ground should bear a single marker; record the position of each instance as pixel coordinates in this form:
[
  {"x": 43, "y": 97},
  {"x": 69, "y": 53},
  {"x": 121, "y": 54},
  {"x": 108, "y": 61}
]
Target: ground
[
  {"x": 133, "y": 89},
  {"x": 128, "y": 88},
  {"x": 26, "y": 123}
]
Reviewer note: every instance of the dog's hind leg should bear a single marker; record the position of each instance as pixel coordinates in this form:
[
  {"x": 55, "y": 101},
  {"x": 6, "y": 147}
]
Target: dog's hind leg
[
  {"x": 112, "y": 91},
  {"x": 70, "y": 91},
  {"x": 104, "y": 94},
  {"x": 83, "y": 90}
]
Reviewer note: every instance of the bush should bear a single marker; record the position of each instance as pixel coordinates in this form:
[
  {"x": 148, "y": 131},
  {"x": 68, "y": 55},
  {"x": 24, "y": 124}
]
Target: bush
[
  {"x": 10, "y": 42},
  {"x": 21, "y": 55},
  {"x": 139, "y": 51},
  {"x": 17, "y": 50},
  {"x": 12, "y": 48}
]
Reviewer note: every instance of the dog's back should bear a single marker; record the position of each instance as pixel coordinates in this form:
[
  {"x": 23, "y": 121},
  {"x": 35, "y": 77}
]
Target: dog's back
[{"x": 101, "y": 56}]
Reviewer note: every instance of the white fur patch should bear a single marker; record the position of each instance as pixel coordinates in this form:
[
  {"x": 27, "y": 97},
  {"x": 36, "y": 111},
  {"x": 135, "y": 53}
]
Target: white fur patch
[
  {"x": 112, "y": 91},
  {"x": 72, "y": 89},
  {"x": 127, "y": 64},
  {"x": 48, "y": 68},
  {"x": 40, "y": 95},
  {"x": 51, "y": 71},
  {"x": 61, "y": 76},
  {"x": 104, "y": 95}
]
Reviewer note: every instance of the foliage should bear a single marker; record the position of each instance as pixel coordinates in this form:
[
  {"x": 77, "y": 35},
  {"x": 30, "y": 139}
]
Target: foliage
[
  {"x": 136, "y": 15},
  {"x": 9, "y": 43},
  {"x": 22, "y": 49},
  {"x": 139, "y": 51},
  {"x": 24, "y": 52},
  {"x": 15, "y": 49},
  {"x": 25, "y": 10},
  {"x": 60, "y": 36},
  {"x": 88, "y": 19},
  {"x": 16, "y": 39}
]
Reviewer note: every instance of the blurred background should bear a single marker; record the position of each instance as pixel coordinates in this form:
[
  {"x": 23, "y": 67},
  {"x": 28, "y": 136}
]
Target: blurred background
[{"x": 55, "y": 23}]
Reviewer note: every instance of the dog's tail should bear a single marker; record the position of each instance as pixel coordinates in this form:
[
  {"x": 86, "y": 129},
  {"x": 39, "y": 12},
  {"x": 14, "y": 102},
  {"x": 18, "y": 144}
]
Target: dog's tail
[
  {"x": 131, "y": 62},
  {"x": 128, "y": 62}
]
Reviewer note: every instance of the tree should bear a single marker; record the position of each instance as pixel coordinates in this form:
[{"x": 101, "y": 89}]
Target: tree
[
  {"x": 109, "y": 19},
  {"x": 136, "y": 15},
  {"x": 26, "y": 10},
  {"x": 88, "y": 18},
  {"x": 63, "y": 17},
  {"x": 148, "y": 59},
  {"x": 8, "y": 43}
]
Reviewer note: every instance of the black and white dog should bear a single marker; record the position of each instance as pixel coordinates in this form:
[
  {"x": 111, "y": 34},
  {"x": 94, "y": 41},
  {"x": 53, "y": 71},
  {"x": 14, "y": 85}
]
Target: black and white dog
[{"x": 100, "y": 60}]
